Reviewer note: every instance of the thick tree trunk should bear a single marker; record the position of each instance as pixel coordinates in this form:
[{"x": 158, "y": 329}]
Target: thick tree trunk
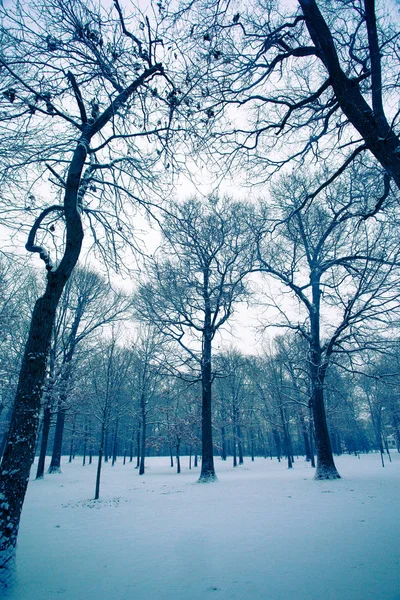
[
  {"x": 371, "y": 123},
  {"x": 326, "y": 468},
  {"x": 45, "y": 439},
  {"x": 20, "y": 447},
  {"x": 207, "y": 454}
]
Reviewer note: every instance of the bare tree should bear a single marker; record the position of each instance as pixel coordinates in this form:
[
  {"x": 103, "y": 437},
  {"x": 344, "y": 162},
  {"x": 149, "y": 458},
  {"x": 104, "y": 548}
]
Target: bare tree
[
  {"x": 301, "y": 85},
  {"x": 344, "y": 274},
  {"x": 193, "y": 283},
  {"x": 88, "y": 304},
  {"x": 79, "y": 111}
]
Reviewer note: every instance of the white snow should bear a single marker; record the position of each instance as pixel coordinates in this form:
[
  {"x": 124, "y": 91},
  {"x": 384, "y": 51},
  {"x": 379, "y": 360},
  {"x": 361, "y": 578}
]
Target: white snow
[{"x": 261, "y": 532}]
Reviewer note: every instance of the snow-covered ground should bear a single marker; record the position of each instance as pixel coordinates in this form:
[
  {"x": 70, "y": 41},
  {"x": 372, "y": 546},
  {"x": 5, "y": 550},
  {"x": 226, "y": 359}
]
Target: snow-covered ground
[{"x": 261, "y": 532}]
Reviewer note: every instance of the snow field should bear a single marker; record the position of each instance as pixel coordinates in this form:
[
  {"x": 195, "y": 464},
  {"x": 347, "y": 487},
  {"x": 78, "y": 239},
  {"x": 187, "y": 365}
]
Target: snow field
[{"x": 261, "y": 532}]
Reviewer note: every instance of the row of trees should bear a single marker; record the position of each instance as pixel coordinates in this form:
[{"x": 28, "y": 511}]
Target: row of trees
[{"x": 95, "y": 114}]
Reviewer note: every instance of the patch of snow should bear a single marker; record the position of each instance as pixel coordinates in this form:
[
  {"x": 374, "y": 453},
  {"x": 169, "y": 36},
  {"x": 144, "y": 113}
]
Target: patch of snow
[{"x": 263, "y": 532}]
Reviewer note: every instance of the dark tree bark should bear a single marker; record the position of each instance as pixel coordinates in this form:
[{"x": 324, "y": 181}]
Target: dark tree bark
[
  {"x": 100, "y": 458},
  {"x": 178, "y": 457},
  {"x": 19, "y": 452},
  {"x": 44, "y": 441},
  {"x": 115, "y": 443},
  {"x": 55, "y": 463},
  {"x": 207, "y": 463},
  {"x": 223, "y": 443},
  {"x": 278, "y": 445},
  {"x": 143, "y": 440},
  {"x": 370, "y": 122}
]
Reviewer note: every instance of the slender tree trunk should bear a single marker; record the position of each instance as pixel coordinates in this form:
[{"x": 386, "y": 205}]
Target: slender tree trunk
[
  {"x": 223, "y": 443},
  {"x": 99, "y": 462},
  {"x": 71, "y": 448},
  {"x": 278, "y": 445},
  {"x": 85, "y": 440},
  {"x": 287, "y": 440},
  {"x": 143, "y": 442},
  {"x": 240, "y": 443},
  {"x": 171, "y": 457},
  {"x": 178, "y": 458},
  {"x": 115, "y": 443},
  {"x": 305, "y": 437},
  {"x": 45, "y": 439},
  {"x": 55, "y": 463},
  {"x": 138, "y": 448}
]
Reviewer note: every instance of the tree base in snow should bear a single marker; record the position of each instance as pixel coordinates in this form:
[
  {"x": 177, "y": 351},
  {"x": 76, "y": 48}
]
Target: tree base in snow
[
  {"x": 324, "y": 473},
  {"x": 207, "y": 478},
  {"x": 54, "y": 470}
]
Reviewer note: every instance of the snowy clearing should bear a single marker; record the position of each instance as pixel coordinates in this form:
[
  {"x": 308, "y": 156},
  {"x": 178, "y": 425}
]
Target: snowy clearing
[{"x": 261, "y": 532}]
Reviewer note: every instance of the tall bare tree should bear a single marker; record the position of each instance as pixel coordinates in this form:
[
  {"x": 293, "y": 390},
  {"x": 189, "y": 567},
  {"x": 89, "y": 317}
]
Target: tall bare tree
[
  {"x": 343, "y": 273},
  {"x": 194, "y": 281},
  {"x": 83, "y": 128}
]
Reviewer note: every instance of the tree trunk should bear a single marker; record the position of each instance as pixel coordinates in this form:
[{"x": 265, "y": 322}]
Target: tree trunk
[
  {"x": 178, "y": 458},
  {"x": 278, "y": 444},
  {"x": 101, "y": 452},
  {"x": 71, "y": 448},
  {"x": 138, "y": 448},
  {"x": 326, "y": 468},
  {"x": 45, "y": 439},
  {"x": 55, "y": 464},
  {"x": 21, "y": 441},
  {"x": 223, "y": 443},
  {"x": 207, "y": 473},
  {"x": 115, "y": 443},
  {"x": 287, "y": 440},
  {"x": 378, "y": 135},
  {"x": 143, "y": 444},
  {"x": 240, "y": 444},
  {"x": 85, "y": 440}
]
